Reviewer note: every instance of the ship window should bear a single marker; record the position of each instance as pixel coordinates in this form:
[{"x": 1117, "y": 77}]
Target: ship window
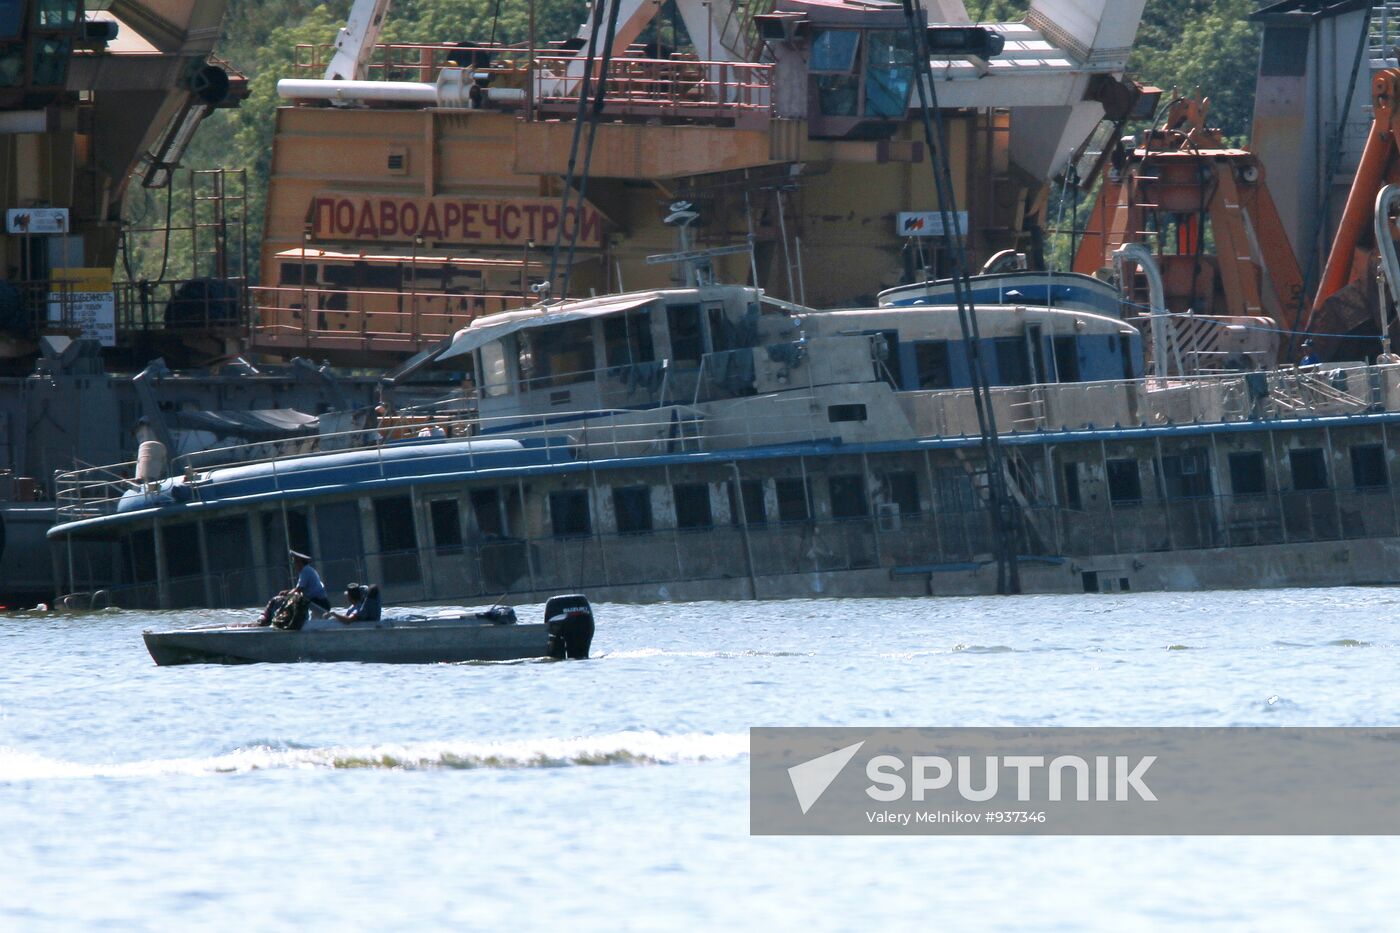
[
  {"x": 56, "y": 14},
  {"x": 568, "y": 513},
  {"x": 182, "y": 550},
  {"x": 755, "y": 513},
  {"x": 493, "y": 367},
  {"x": 143, "y": 556},
  {"x": 692, "y": 505},
  {"x": 1124, "y": 481},
  {"x": 447, "y": 526},
  {"x": 632, "y": 507},
  {"x": 888, "y": 73},
  {"x": 1066, "y": 350},
  {"x": 386, "y": 277},
  {"x": 839, "y": 413},
  {"x": 1186, "y": 475},
  {"x": 687, "y": 344},
  {"x": 1247, "y": 473},
  {"x": 837, "y": 95},
  {"x": 1074, "y": 498},
  {"x": 794, "y": 500},
  {"x": 50, "y": 62},
  {"x": 931, "y": 363},
  {"x": 848, "y": 499},
  {"x": 1309, "y": 468},
  {"x": 12, "y": 65},
  {"x": 1368, "y": 466},
  {"x": 834, "y": 50},
  {"x": 560, "y": 355},
  {"x": 486, "y": 506},
  {"x": 627, "y": 339},
  {"x": 11, "y": 18},
  {"x": 398, "y": 541},
  {"x": 341, "y": 276},
  {"x": 1013, "y": 364},
  {"x": 296, "y": 273},
  {"x": 903, "y": 490}
]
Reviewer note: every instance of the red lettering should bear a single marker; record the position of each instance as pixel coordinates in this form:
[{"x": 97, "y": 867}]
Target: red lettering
[
  {"x": 491, "y": 217},
  {"x": 367, "y": 227},
  {"x": 388, "y": 218},
  {"x": 431, "y": 228},
  {"x": 510, "y": 222},
  {"x": 549, "y": 221},
  {"x": 451, "y": 218},
  {"x": 344, "y": 217},
  {"x": 322, "y": 215},
  {"x": 592, "y": 232},
  {"x": 469, "y": 221},
  {"x": 531, "y": 215},
  {"x": 408, "y": 218}
]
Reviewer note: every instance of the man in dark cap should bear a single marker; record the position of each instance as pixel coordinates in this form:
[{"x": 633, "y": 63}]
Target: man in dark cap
[
  {"x": 309, "y": 581},
  {"x": 364, "y": 604}
]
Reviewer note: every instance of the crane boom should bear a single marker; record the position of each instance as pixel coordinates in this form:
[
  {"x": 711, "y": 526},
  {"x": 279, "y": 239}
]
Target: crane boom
[{"x": 354, "y": 43}]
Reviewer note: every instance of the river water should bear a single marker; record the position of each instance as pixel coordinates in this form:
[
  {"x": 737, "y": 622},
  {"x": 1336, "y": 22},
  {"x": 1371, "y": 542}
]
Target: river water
[{"x": 613, "y": 793}]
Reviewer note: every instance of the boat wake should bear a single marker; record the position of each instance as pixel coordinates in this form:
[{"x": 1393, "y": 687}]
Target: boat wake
[{"x": 621, "y": 748}]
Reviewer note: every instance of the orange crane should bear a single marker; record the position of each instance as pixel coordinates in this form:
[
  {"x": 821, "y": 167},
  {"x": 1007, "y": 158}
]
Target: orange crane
[
  {"x": 1347, "y": 302},
  {"x": 1204, "y": 210}
]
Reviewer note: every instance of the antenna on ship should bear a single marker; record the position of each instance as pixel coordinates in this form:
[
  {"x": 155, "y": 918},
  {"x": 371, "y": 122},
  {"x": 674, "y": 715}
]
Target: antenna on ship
[
  {"x": 982, "y": 43},
  {"x": 699, "y": 269}
]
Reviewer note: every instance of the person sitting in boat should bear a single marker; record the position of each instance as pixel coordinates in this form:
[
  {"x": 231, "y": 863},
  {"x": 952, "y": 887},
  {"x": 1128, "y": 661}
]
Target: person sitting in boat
[
  {"x": 309, "y": 582},
  {"x": 364, "y": 604}
]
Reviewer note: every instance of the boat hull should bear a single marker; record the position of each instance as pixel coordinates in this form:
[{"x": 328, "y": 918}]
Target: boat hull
[{"x": 426, "y": 644}]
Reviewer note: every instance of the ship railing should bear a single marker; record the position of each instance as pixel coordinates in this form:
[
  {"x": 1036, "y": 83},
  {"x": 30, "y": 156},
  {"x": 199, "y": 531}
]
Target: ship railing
[
  {"x": 586, "y": 435},
  {"x": 409, "y": 318},
  {"x": 681, "y": 84}
]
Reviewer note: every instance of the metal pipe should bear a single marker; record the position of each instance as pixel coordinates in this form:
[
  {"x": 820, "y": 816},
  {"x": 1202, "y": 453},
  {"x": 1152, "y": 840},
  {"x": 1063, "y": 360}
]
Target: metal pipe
[
  {"x": 1142, "y": 256},
  {"x": 408, "y": 92}
]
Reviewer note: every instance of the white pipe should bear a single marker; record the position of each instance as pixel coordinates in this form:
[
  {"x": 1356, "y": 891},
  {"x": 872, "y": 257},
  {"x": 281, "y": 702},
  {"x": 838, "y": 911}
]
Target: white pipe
[
  {"x": 408, "y": 92},
  {"x": 1140, "y": 255},
  {"x": 1390, "y": 264}
]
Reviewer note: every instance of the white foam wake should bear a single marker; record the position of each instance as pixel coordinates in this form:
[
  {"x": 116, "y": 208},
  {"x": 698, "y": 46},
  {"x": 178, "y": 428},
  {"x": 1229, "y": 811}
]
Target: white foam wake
[{"x": 620, "y": 748}]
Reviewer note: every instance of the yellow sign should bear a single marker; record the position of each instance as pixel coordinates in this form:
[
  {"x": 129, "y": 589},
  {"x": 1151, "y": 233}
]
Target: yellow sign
[{"x": 82, "y": 298}]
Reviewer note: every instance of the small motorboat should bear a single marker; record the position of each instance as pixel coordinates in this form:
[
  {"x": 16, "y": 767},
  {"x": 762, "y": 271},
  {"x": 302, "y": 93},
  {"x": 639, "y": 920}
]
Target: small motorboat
[{"x": 490, "y": 635}]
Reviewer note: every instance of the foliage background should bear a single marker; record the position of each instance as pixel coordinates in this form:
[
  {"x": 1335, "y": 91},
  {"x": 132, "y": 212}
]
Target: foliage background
[{"x": 1181, "y": 44}]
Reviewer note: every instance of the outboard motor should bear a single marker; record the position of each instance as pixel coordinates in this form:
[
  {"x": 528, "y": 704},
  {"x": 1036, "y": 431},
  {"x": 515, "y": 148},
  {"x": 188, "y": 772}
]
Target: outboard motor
[{"x": 570, "y": 621}]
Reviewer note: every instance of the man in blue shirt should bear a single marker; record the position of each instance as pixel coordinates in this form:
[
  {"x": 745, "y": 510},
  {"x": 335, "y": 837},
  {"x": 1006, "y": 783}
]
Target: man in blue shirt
[
  {"x": 309, "y": 581},
  {"x": 364, "y": 604}
]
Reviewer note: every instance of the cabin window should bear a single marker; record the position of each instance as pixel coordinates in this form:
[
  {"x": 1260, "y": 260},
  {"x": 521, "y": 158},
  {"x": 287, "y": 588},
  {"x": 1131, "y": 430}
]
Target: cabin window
[
  {"x": 557, "y": 356},
  {"x": 568, "y": 513},
  {"x": 1066, "y": 350},
  {"x": 1309, "y": 468},
  {"x": 722, "y": 333},
  {"x": 143, "y": 556},
  {"x": 903, "y": 490},
  {"x": 687, "y": 341},
  {"x": 1013, "y": 363},
  {"x": 182, "y": 550},
  {"x": 931, "y": 364},
  {"x": 888, "y": 73},
  {"x": 56, "y": 14},
  {"x": 341, "y": 276},
  {"x": 955, "y": 491},
  {"x": 447, "y": 526},
  {"x": 398, "y": 540},
  {"x": 495, "y": 381},
  {"x": 632, "y": 508},
  {"x": 848, "y": 498},
  {"x": 834, "y": 50},
  {"x": 1247, "y": 473},
  {"x": 840, "y": 413},
  {"x": 486, "y": 506},
  {"x": 1074, "y": 498},
  {"x": 1186, "y": 475},
  {"x": 1368, "y": 466},
  {"x": 755, "y": 512},
  {"x": 296, "y": 273},
  {"x": 1124, "y": 481},
  {"x": 794, "y": 500},
  {"x": 381, "y": 277},
  {"x": 692, "y": 505},
  {"x": 627, "y": 339}
]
